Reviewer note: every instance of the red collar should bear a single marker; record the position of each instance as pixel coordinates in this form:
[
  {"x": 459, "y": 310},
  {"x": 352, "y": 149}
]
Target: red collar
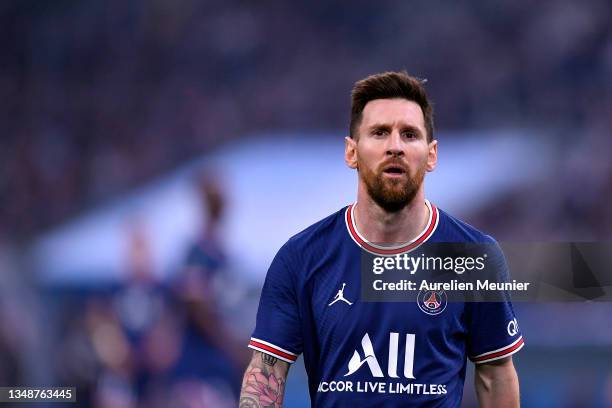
[{"x": 392, "y": 250}]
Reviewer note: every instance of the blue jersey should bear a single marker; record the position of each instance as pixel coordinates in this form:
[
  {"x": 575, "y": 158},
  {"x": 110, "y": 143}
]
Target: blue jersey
[{"x": 373, "y": 354}]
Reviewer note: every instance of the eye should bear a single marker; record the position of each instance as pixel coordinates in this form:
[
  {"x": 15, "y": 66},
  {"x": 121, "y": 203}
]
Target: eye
[
  {"x": 410, "y": 134},
  {"x": 379, "y": 132}
]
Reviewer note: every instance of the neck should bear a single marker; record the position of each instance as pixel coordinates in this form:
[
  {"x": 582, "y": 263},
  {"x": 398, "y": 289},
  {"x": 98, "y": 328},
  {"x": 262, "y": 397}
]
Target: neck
[{"x": 384, "y": 228}]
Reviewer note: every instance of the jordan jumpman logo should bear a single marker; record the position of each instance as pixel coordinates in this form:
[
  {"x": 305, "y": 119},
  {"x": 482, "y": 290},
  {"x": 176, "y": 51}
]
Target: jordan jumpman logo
[{"x": 340, "y": 296}]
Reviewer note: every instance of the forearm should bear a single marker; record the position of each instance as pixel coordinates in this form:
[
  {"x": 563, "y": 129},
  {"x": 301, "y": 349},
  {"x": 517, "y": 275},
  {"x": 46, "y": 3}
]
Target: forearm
[
  {"x": 497, "y": 385},
  {"x": 264, "y": 380}
]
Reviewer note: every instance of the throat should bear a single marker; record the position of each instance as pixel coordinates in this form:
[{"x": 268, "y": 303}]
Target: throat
[{"x": 384, "y": 228}]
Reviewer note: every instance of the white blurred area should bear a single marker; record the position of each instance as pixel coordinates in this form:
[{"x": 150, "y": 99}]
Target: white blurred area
[{"x": 276, "y": 185}]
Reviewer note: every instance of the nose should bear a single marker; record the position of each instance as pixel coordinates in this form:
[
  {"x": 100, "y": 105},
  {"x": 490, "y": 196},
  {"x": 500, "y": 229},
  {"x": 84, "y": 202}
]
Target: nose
[{"x": 394, "y": 145}]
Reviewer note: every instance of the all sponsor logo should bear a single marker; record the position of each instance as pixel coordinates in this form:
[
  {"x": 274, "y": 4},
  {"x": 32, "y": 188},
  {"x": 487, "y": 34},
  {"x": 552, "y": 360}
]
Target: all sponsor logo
[
  {"x": 356, "y": 362},
  {"x": 365, "y": 359}
]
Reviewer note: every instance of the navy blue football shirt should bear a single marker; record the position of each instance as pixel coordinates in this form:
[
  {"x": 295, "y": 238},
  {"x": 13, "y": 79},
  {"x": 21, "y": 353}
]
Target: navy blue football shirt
[{"x": 373, "y": 354}]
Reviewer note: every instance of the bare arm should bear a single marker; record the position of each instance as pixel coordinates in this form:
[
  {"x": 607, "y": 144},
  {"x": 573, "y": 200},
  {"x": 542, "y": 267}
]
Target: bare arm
[
  {"x": 264, "y": 380},
  {"x": 497, "y": 384}
]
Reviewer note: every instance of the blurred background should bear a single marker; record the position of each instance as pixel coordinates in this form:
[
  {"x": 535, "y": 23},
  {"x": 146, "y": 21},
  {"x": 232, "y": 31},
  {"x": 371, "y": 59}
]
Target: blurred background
[{"x": 155, "y": 155}]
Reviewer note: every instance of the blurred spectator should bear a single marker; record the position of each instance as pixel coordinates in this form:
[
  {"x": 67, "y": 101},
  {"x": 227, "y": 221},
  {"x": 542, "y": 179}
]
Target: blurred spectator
[
  {"x": 210, "y": 352},
  {"x": 95, "y": 356},
  {"x": 143, "y": 308}
]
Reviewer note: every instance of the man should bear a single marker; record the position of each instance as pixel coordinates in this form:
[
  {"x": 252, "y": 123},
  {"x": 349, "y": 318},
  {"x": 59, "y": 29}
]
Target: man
[
  {"x": 205, "y": 337},
  {"x": 352, "y": 350}
]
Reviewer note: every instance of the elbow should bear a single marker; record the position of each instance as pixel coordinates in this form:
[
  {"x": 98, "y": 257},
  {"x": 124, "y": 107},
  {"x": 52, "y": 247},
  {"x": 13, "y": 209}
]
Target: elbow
[{"x": 497, "y": 384}]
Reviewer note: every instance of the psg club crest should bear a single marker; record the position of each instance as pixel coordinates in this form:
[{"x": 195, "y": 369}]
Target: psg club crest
[{"x": 432, "y": 302}]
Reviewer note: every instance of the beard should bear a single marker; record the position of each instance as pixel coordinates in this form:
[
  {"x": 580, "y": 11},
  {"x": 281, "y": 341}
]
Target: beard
[{"x": 392, "y": 195}]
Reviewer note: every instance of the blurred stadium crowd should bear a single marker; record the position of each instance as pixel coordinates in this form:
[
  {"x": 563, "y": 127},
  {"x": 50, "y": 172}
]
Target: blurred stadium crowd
[
  {"x": 100, "y": 97},
  {"x": 139, "y": 342}
]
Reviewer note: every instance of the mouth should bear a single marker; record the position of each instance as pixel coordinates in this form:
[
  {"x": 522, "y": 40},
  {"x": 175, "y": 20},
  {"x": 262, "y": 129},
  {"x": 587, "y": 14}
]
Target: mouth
[{"x": 394, "y": 171}]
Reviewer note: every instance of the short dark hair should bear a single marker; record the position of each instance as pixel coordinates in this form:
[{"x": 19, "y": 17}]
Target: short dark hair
[{"x": 390, "y": 85}]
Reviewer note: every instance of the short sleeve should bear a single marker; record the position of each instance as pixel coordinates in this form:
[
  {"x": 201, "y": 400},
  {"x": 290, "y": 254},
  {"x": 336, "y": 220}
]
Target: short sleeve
[
  {"x": 493, "y": 330},
  {"x": 278, "y": 327}
]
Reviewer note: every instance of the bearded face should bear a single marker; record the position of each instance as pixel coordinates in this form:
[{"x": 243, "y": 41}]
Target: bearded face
[
  {"x": 392, "y": 185},
  {"x": 391, "y": 152}
]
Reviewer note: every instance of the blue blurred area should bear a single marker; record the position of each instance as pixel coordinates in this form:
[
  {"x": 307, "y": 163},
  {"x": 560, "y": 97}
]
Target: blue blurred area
[
  {"x": 102, "y": 96},
  {"x": 155, "y": 155}
]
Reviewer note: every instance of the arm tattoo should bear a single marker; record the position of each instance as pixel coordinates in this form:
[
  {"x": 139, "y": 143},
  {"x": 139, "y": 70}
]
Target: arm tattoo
[
  {"x": 268, "y": 359},
  {"x": 248, "y": 402},
  {"x": 263, "y": 385}
]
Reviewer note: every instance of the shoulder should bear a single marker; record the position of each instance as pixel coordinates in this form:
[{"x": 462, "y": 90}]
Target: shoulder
[
  {"x": 287, "y": 270},
  {"x": 453, "y": 229}
]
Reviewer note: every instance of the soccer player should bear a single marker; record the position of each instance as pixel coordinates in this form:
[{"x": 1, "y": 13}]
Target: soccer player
[{"x": 375, "y": 354}]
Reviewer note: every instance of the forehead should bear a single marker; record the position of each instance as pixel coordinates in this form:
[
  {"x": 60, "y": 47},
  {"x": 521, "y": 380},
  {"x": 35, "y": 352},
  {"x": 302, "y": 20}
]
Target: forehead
[{"x": 393, "y": 111}]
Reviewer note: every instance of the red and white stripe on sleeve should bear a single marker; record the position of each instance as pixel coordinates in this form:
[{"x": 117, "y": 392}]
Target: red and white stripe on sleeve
[
  {"x": 499, "y": 353},
  {"x": 273, "y": 350}
]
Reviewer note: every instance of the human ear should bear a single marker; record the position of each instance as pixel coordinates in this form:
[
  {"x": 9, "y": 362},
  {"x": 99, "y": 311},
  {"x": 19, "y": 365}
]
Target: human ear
[
  {"x": 350, "y": 152},
  {"x": 432, "y": 155}
]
